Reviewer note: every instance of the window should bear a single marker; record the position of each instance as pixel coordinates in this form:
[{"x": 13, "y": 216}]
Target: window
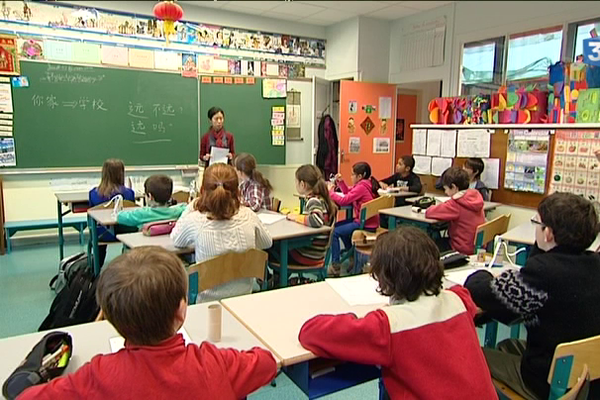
[
  {"x": 584, "y": 30},
  {"x": 530, "y": 54},
  {"x": 482, "y": 66}
]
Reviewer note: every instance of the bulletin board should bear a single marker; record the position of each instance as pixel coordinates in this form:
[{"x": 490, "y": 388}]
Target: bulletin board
[{"x": 498, "y": 147}]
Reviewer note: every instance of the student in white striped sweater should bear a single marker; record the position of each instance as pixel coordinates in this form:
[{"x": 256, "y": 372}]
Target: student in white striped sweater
[
  {"x": 216, "y": 223},
  {"x": 318, "y": 211}
]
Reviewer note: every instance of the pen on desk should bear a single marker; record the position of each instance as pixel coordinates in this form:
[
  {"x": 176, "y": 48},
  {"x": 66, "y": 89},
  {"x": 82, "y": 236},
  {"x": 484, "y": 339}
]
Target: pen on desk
[{"x": 54, "y": 357}]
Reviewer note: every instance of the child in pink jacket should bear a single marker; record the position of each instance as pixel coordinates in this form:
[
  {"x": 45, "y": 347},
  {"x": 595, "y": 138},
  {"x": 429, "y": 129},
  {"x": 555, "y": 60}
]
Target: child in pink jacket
[
  {"x": 364, "y": 190},
  {"x": 464, "y": 210}
]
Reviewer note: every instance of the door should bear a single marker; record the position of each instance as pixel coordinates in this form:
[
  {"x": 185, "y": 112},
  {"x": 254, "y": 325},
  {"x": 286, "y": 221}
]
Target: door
[
  {"x": 321, "y": 90},
  {"x": 364, "y": 134}
]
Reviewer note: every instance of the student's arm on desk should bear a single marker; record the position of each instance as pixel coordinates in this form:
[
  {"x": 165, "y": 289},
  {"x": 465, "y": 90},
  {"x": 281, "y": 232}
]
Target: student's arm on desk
[
  {"x": 446, "y": 211},
  {"x": 519, "y": 292},
  {"x": 247, "y": 370},
  {"x": 346, "y": 337},
  {"x": 349, "y": 197},
  {"x": 79, "y": 384}
]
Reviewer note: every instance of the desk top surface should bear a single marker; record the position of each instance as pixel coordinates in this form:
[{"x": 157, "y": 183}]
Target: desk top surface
[
  {"x": 79, "y": 196},
  {"x": 137, "y": 239},
  {"x": 103, "y": 216},
  {"x": 396, "y": 193},
  {"x": 293, "y": 306},
  {"x": 93, "y": 338},
  {"x": 487, "y": 205},
  {"x": 405, "y": 212}
]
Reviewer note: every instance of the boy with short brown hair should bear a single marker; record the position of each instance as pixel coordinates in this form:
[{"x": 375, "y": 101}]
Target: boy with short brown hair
[{"x": 143, "y": 294}]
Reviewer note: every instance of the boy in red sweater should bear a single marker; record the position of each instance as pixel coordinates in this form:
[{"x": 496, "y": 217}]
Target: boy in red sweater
[
  {"x": 425, "y": 340},
  {"x": 464, "y": 210},
  {"x": 143, "y": 294}
]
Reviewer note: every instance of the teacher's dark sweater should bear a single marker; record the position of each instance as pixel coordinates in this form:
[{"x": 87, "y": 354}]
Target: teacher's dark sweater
[{"x": 556, "y": 294}]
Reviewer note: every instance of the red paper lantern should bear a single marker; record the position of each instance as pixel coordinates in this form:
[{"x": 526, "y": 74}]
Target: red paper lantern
[{"x": 169, "y": 12}]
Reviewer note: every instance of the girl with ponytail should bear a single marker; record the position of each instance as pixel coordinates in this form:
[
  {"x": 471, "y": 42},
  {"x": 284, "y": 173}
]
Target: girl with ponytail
[
  {"x": 364, "y": 189},
  {"x": 216, "y": 223},
  {"x": 254, "y": 187},
  {"x": 319, "y": 210}
]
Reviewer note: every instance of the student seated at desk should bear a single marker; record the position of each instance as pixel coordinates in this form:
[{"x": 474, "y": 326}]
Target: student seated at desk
[
  {"x": 555, "y": 294},
  {"x": 425, "y": 340},
  {"x": 364, "y": 189},
  {"x": 112, "y": 184},
  {"x": 216, "y": 223},
  {"x": 404, "y": 176},
  {"x": 254, "y": 187},
  {"x": 474, "y": 167},
  {"x": 143, "y": 294},
  {"x": 463, "y": 211},
  {"x": 318, "y": 211},
  {"x": 158, "y": 190}
]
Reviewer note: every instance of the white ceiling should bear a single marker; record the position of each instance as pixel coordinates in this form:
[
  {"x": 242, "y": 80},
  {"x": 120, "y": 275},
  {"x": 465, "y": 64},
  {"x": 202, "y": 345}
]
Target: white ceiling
[{"x": 322, "y": 12}]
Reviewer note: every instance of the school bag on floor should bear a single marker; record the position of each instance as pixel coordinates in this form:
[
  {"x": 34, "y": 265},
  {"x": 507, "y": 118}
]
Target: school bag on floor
[
  {"x": 75, "y": 303},
  {"x": 66, "y": 270}
]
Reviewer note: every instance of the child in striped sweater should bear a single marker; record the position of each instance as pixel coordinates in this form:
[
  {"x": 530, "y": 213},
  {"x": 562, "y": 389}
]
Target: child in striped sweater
[{"x": 319, "y": 210}]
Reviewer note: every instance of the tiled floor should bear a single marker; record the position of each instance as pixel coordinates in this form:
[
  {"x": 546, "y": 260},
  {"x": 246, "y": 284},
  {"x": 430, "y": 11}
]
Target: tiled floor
[{"x": 25, "y": 299}]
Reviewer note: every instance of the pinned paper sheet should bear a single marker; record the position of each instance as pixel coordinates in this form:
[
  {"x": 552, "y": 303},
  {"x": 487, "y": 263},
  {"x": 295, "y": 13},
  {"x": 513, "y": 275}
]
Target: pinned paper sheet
[
  {"x": 385, "y": 107},
  {"x": 448, "y": 145},
  {"x": 358, "y": 290},
  {"x": 473, "y": 143},
  {"x": 118, "y": 342},
  {"x": 422, "y": 165},
  {"x": 139, "y": 58},
  {"x": 58, "y": 51},
  {"x": 6, "y": 103},
  {"x": 434, "y": 142},
  {"x": 114, "y": 55},
  {"x": 439, "y": 165},
  {"x": 491, "y": 173},
  {"x": 270, "y": 218},
  {"x": 419, "y": 141},
  {"x": 86, "y": 52},
  {"x": 218, "y": 155},
  {"x": 167, "y": 60}
]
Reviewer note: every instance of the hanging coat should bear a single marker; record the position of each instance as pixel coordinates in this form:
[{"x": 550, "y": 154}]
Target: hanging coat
[{"x": 327, "y": 148}]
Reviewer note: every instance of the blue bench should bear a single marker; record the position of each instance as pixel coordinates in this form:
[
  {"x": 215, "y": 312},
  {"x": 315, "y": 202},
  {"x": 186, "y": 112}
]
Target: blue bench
[{"x": 12, "y": 227}]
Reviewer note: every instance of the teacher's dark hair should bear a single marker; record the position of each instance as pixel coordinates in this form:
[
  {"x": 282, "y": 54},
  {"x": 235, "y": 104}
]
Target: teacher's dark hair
[{"x": 213, "y": 111}]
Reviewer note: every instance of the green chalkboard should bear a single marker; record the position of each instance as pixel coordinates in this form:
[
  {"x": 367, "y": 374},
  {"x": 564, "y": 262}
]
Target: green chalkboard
[
  {"x": 247, "y": 117},
  {"x": 78, "y": 116}
]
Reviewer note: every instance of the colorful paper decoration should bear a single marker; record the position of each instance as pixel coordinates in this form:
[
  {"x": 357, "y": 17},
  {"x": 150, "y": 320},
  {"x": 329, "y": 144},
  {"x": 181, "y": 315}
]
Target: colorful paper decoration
[
  {"x": 519, "y": 106},
  {"x": 460, "y": 110},
  {"x": 367, "y": 125},
  {"x": 566, "y": 81},
  {"x": 588, "y": 106},
  {"x": 9, "y": 59}
]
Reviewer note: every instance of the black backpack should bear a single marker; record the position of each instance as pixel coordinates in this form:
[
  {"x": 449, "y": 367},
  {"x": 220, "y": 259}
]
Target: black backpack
[
  {"x": 75, "y": 303},
  {"x": 67, "y": 269}
]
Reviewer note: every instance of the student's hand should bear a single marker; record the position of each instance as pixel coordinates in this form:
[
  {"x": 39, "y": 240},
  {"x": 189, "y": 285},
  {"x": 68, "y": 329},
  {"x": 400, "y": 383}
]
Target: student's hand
[
  {"x": 229, "y": 156},
  {"x": 597, "y": 154},
  {"x": 403, "y": 188},
  {"x": 338, "y": 178},
  {"x": 291, "y": 217},
  {"x": 100, "y": 316},
  {"x": 384, "y": 186},
  {"x": 330, "y": 186},
  {"x": 206, "y": 157}
]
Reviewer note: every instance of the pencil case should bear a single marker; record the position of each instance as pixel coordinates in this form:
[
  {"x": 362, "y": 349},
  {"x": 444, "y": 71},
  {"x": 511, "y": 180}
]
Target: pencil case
[
  {"x": 158, "y": 228},
  {"x": 47, "y": 360}
]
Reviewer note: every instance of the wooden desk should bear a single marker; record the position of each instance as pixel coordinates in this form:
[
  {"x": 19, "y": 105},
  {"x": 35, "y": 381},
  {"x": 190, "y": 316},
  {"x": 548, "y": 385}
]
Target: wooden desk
[
  {"x": 487, "y": 205},
  {"x": 286, "y": 234},
  {"x": 406, "y": 213},
  {"x": 71, "y": 200},
  {"x": 93, "y": 338},
  {"x": 524, "y": 236},
  {"x": 102, "y": 217},
  {"x": 293, "y": 306}
]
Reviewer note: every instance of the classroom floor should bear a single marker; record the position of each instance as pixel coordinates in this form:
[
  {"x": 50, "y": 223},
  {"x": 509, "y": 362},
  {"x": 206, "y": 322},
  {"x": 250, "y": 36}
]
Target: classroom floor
[{"x": 25, "y": 299}]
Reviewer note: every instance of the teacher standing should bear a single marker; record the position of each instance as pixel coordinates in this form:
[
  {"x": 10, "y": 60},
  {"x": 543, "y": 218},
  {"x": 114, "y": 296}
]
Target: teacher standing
[{"x": 216, "y": 136}]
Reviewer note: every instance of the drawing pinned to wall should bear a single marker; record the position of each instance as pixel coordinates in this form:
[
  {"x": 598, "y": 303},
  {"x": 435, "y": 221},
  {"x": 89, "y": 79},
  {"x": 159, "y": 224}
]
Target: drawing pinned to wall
[
  {"x": 7, "y": 152},
  {"x": 367, "y": 125},
  {"x": 400, "y": 130},
  {"x": 114, "y": 55},
  {"x": 526, "y": 160},
  {"x": 6, "y": 103},
  {"x": 352, "y": 106},
  {"x": 369, "y": 108},
  {"x": 383, "y": 127},
  {"x": 189, "y": 67},
  {"x": 381, "y": 145},
  {"x": 351, "y": 126},
  {"x": 31, "y": 49},
  {"x": 167, "y": 60},
  {"x": 20, "y": 81},
  {"x": 385, "y": 107},
  {"x": 235, "y": 67},
  {"x": 274, "y": 88},
  {"x": 9, "y": 58},
  {"x": 205, "y": 64},
  {"x": 206, "y": 79},
  {"x": 354, "y": 145}
]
